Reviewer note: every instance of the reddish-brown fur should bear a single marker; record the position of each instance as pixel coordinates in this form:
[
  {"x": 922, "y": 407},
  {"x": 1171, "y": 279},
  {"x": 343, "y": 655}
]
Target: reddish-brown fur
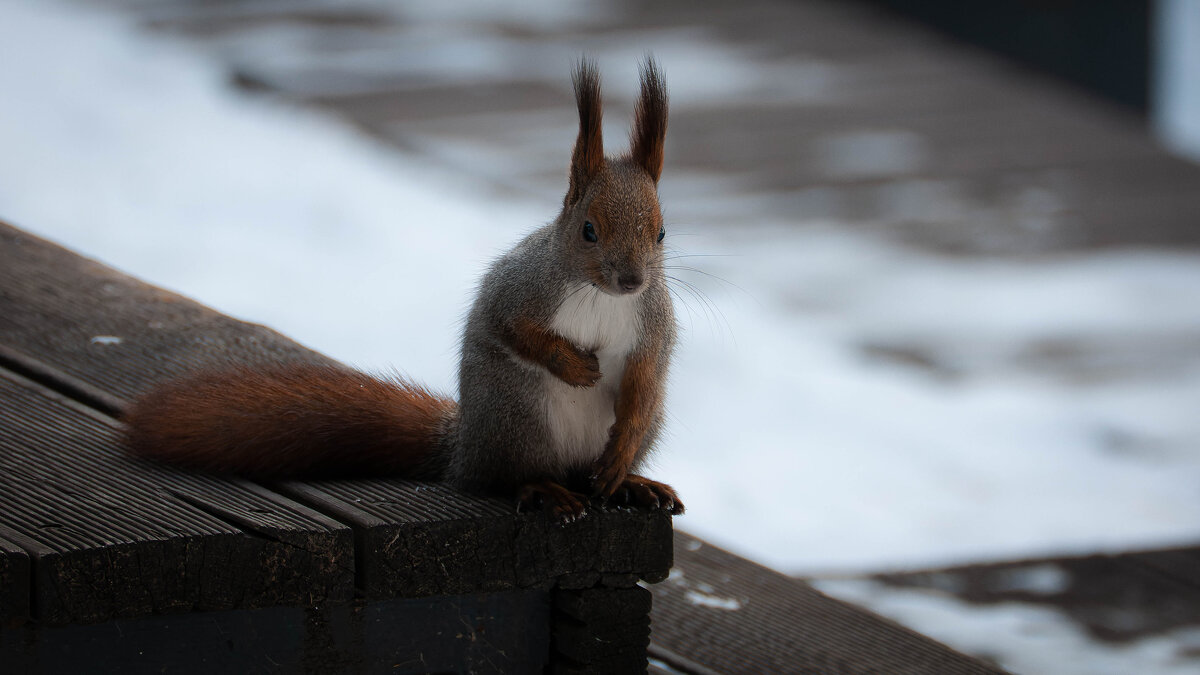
[
  {"x": 650, "y": 122},
  {"x": 292, "y": 421},
  {"x": 640, "y": 395},
  {"x": 554, "y": 353},
  {"x": 636, "y": 403},
  {"x": 588, "y": 156}
]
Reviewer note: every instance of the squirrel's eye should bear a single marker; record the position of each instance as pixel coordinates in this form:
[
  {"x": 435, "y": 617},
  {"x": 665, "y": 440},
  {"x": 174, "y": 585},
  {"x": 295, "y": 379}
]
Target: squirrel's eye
[
  {"x": 589, "y": 232},
  {"x": 662, "y": 232}
]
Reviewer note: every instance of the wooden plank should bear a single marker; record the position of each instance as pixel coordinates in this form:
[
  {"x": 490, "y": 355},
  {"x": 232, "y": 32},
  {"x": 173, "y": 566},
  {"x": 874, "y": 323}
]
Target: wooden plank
[
  {"x": 15, "y": 584},
  {"x": 602, "y": 630},
  {"x": 1114, "y": 597},
  {"x": 97, "y": 326},
  {"x": 488, "y": 633},
  {"x": 110, "y": 536},
  {"x": 417, "y": 539},
  {"x": 726, "y": 614},
  {"x": 1182, "y": 565}
]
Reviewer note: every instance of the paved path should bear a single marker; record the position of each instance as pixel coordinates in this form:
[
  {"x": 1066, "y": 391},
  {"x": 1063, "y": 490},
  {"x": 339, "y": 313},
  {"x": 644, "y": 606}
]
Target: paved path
[{"x": 797, "y": 110}]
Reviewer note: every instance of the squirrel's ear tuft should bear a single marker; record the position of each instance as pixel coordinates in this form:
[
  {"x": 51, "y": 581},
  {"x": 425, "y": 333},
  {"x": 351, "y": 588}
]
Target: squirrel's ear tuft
[
  {"x": 588, "y": 157},
  {"x": 650, "y": 121}
]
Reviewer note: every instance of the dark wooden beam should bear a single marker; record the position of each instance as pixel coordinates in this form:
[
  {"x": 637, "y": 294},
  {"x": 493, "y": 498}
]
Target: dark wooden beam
[{"x": 111, "y": 537}]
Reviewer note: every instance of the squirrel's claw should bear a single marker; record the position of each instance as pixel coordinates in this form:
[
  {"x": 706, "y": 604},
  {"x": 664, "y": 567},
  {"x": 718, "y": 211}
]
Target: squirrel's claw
[
  {"x": 649, "y": 494},
  {"x": 606, "y": 480}
]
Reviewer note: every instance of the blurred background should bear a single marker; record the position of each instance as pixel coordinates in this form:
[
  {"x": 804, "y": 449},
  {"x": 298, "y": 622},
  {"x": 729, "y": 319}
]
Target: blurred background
[{"x": 937, "y": 262}]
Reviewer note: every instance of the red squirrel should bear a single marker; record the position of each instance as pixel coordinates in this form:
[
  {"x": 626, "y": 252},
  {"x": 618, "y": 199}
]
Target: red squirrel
[{"x": 563, "y": 370}]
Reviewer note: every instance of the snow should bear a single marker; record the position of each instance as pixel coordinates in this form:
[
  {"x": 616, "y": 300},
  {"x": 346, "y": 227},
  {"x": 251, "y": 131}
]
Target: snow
[
  {"x": 800, "y": 435},
  {"x": 702, "y": 599},
  {"x": 1044, "y": 579},
  {"x": 701, "y": 594},
  {"x": 875, "y": 464},
  {"x": 1022, "y": 638}
]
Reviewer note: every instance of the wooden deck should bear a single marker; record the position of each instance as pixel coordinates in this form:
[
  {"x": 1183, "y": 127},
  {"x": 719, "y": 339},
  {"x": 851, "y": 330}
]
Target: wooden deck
[
  {"x": 144, "y": 568},
  {"x": 719, "y": 613}
]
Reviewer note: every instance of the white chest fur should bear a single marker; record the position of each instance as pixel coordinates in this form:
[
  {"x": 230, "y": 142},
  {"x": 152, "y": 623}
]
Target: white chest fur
[{"x": 580, "y": 417}]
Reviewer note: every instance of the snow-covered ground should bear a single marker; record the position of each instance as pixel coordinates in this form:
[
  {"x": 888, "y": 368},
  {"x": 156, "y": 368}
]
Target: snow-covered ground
[
  {"x": 1024, "y": 638},
  {"x": 789, "y": 441}
]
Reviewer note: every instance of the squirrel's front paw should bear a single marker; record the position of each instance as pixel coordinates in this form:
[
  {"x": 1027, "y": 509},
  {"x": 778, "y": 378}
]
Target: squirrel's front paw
[
  {"x": 607, "y": 478},
  {"x": 578, "y": 369}
]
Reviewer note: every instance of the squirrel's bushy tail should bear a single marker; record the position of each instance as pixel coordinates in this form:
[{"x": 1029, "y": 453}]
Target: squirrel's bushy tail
[{"x": 294, "y": 421}]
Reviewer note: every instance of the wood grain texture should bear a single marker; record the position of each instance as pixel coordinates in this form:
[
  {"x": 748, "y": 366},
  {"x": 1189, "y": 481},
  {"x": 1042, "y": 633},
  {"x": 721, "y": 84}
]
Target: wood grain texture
[
  {"x": 89, "y": 325},
  {"x": 109, "y": 536},
  {"x": 601, "y": 630},
  {"x": 728, "y": 614},
  {"x": 417, "y": 539}
]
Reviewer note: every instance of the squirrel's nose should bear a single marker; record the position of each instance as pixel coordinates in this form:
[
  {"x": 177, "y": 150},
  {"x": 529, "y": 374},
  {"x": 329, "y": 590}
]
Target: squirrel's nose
[{"x": 630, "y": 281}]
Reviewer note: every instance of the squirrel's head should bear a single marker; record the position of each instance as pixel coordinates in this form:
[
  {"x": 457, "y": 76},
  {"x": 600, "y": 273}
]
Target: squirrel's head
[{"x": 611, "y": 223}]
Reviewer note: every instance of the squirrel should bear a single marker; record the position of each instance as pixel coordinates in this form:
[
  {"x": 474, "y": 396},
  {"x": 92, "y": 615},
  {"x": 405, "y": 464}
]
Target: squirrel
[{"x": 561, "y": 381}]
